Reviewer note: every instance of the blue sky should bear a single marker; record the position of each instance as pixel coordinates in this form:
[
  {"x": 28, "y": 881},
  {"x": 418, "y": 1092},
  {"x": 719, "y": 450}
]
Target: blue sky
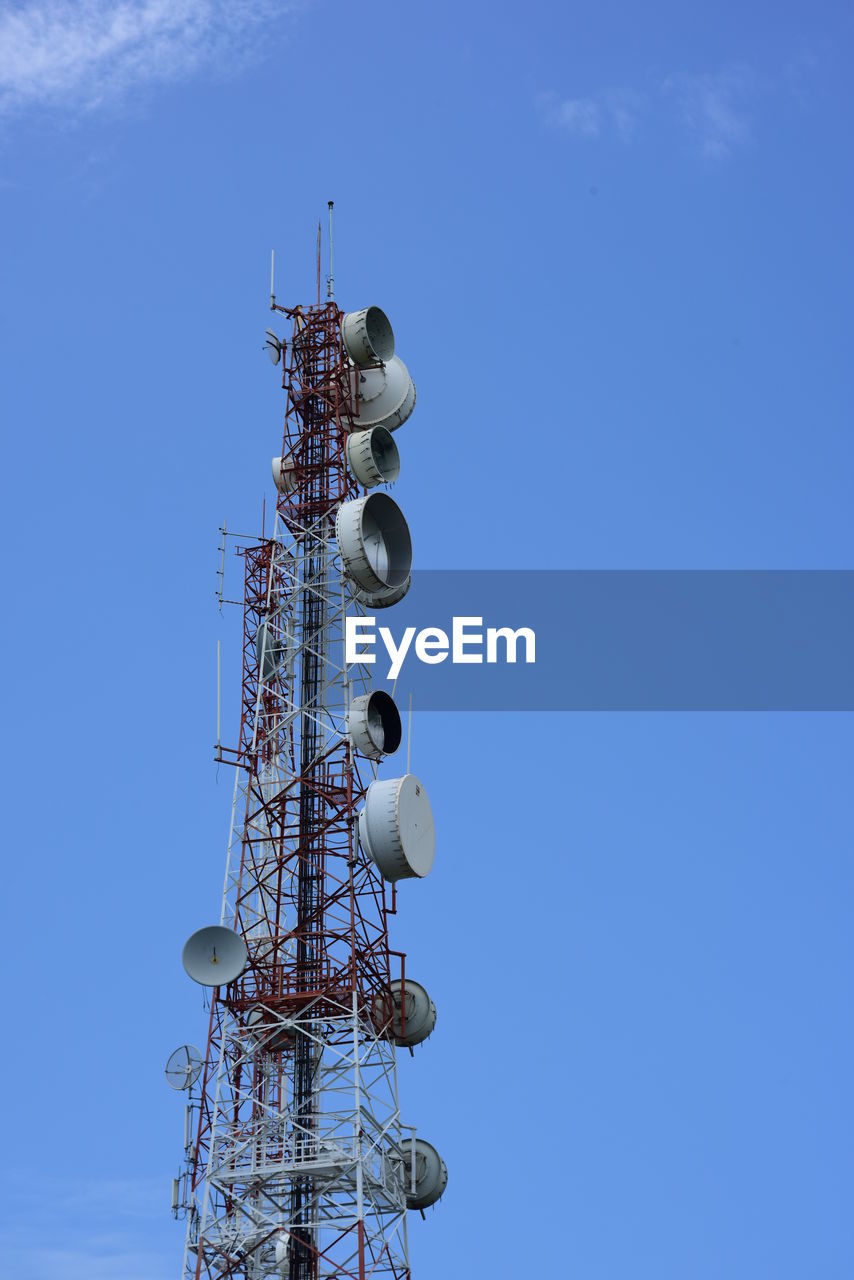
[{"x": 614, "y": 243}]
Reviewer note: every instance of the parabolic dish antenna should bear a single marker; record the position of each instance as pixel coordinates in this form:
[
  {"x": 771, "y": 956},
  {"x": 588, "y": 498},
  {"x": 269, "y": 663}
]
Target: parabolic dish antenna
[
  {"x": 273, "y": 346},
  {"x": 214, "y": 955},
  {"x": 272, "y": 651},
  {"x": 183, "y": 1067},
  {"x": 283, "y": 1252},
  {"x": 386, "y": 396},
  {"x": 284, "y": 476}
]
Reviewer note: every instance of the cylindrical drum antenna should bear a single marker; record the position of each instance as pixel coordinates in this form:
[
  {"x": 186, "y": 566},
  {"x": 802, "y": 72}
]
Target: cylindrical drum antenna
[
  {"x": 368, "y": 336},
  {"x": 373, "y": 538},
  {"x": 396, "y": 827},
  {"x": 373, "y": 457}
]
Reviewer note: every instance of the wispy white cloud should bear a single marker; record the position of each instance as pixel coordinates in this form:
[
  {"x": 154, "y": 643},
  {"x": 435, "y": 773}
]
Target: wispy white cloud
[
  {"x": 580, "y": 116},
  {"x": 613, "y": 109},
  {"x": 715, "y": 107},
  {"x": 79, "y": 53},
  {"x": 624, "y": 108}
]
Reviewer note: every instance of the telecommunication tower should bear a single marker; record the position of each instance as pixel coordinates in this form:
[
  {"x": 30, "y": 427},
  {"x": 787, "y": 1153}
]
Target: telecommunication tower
[{"x": 297, "y": 1162}]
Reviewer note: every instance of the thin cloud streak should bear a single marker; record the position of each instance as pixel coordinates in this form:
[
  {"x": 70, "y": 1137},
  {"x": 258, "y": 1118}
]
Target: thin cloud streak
[
  {"x": 59, "y": 53},
  {"x": 589, "y": 117},
  {"x": 580, "y": 116},
  {"x": 712, "y": 107}
]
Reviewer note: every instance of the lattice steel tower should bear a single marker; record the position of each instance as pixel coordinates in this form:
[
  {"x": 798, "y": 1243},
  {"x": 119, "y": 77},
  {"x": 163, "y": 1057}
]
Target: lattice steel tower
[{"x": 297, "y": 1162}]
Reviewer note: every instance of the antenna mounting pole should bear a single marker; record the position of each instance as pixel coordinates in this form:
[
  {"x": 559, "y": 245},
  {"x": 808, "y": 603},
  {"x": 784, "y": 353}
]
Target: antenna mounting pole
[
  {"x": 330, "y": 279},
  {"x": 272, "y": 291},
  {"x": 218, "y": 717},
  {"x": 220, "y": 591}
]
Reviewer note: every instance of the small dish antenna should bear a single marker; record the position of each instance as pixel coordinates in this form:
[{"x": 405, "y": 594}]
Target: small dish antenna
[
  {"x": 183, "y": 1067},
  {"x": 373, "y": 538},
  {"x": 373, "y": 456},
  {"x": 284, "y": 476},
  {"x": 273, "y": 1033},
  {"x": 273, "y": 346},
  {"x": 368, "y": 336},
  {"x": 274, "y": 649},
  {"x": 214, "y": 955},
  {"x": 283, "y": 1253}
]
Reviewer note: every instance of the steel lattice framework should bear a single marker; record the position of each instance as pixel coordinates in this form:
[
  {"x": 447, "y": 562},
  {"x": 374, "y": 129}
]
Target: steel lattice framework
[{"x": 296, "y": 1163}]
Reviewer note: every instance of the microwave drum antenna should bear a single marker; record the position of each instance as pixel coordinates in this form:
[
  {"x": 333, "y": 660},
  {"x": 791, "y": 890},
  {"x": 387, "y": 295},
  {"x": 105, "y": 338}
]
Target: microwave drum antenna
[
  {"x": 388, "y": 1008},
  {"x": 396, "y": 828},
  {"x": 284, "y": 476},
  {"x": 431, "y": 1174},
  {"x": 214, "y": 956},
  {"x": 373, "y": 538},
  {"x": 268, "y": 1030},
  {"x": 368, "y": 336},
  {"x": 386, "y": 396},
  {"x": 183, "y": 1067},
  {"x": 382, "y": 599},
  {"x": 375, "y": 727},
  {"x": 373, "y": 457}
]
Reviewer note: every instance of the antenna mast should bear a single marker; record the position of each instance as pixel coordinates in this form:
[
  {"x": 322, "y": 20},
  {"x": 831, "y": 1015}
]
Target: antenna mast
[{"x": 298, "y": 1164}]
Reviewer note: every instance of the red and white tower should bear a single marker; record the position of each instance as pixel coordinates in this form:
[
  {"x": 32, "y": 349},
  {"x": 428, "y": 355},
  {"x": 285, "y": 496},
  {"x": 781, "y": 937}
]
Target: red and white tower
[{"x": 297, "y": 1162}]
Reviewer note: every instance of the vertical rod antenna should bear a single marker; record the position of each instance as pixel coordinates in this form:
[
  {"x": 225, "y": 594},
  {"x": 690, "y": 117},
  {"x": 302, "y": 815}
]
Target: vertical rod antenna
[
  {"x": 409, "y": 736},
  {"x": 218, "y": 702},
  {"x": 318, "y": 262},
  {"x": 330, "y": 279},
  {"x": 272, "y": 270}
]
